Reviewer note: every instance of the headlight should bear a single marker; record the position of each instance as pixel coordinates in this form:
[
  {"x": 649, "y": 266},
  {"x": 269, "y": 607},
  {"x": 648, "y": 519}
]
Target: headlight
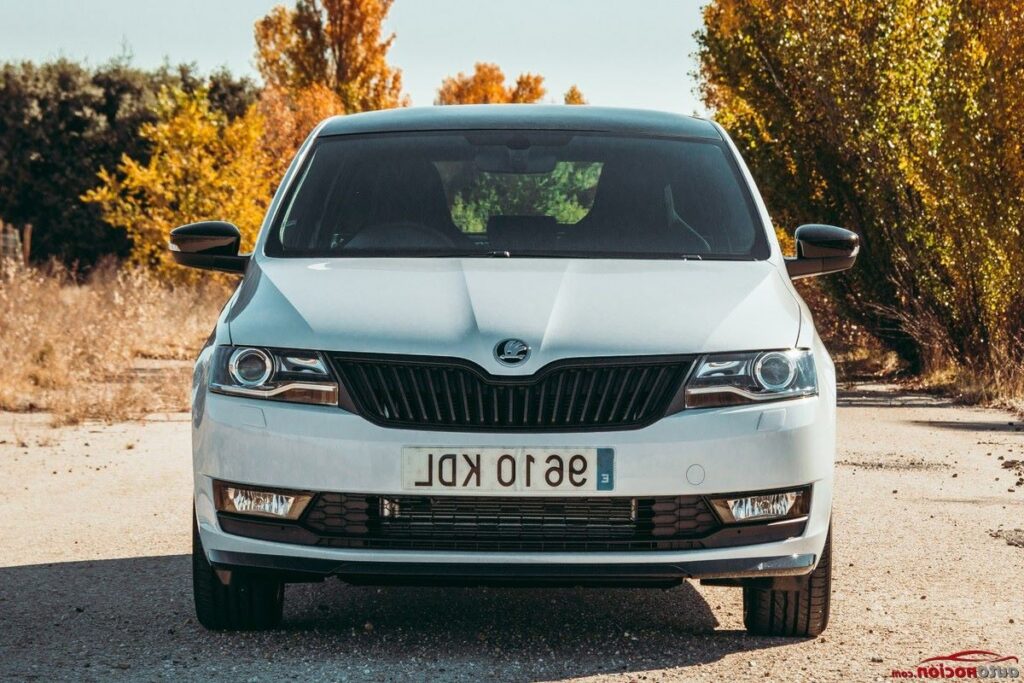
[
  {"x": 736, "y": 378},
  {"x": 250, "y": 367},
  {"x": 275, "y": 374}
]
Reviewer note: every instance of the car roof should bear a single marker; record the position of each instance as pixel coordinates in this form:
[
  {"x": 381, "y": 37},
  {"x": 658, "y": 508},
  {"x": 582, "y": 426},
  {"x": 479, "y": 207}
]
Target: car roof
[{"x": 522, "y": 117}]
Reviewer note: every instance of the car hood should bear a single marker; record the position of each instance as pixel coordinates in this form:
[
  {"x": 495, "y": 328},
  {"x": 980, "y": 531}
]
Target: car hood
[{"x": 562, "y": 308}]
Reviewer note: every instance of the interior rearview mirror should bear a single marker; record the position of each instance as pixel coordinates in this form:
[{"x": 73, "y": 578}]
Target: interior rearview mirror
[
  {"x": 209, "y": 245},
  {"x": 822, "y": 249}
]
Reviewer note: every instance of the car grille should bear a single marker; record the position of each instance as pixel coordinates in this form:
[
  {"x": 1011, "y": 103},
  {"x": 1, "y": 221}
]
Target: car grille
[
  {"x": 509, "y": 524},
  {"x": 580, "y": 395}
]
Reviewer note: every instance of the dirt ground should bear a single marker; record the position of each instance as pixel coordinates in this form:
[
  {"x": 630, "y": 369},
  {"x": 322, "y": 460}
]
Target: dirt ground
[{"x": 95, "y": 582}]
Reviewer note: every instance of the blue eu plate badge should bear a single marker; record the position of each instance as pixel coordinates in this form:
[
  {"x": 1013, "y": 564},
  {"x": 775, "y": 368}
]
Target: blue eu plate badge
[{"x": 605, "y": 469}]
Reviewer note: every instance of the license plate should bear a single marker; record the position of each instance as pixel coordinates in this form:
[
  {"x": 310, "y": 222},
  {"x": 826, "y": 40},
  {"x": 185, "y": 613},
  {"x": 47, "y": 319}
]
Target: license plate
[{"x": 538, "y": 470}]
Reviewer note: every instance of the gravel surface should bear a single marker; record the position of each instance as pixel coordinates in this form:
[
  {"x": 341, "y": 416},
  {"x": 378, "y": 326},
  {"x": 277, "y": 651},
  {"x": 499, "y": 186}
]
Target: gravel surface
[{"x": 95, "y": 577}]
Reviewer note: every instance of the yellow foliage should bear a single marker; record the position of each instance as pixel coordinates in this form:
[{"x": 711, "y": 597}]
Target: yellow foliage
[
  {"x": 902, "y": 120},
  {"x": 202, "y": 167}
]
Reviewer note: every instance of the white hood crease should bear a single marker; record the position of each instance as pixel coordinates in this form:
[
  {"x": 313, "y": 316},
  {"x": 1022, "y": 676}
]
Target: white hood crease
[{"x": 562, "y": 308}]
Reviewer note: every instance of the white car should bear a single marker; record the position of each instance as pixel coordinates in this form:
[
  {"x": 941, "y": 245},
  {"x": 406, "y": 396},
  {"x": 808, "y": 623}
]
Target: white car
[{"x": 515, "y": 345}]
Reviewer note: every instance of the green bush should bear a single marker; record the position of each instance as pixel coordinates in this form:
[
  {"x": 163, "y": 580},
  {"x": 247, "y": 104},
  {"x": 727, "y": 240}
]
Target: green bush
[{"x": 60, "y": 122}]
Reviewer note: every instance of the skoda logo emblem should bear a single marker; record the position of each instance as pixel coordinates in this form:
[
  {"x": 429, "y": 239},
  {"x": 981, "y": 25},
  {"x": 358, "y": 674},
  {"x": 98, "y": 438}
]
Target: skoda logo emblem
[{"x": 512, "y": 351}]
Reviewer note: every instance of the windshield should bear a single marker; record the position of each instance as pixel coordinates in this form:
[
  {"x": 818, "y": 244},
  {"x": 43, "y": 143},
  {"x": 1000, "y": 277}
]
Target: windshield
[{"x": 517, "y": 194}]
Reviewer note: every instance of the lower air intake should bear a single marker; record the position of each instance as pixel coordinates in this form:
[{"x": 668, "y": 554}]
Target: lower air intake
[{"x": 506, "y": 524}]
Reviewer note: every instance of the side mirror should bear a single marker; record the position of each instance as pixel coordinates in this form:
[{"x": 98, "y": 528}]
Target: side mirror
[
  {"x": 209, "y": 245},
  {"x": 822, "y": 249}
]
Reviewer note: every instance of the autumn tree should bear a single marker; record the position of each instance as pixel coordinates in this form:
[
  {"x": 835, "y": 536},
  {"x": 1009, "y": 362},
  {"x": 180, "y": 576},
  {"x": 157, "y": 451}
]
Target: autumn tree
[
  {"x": 290, "y": 117},
  {"x": 335, "y": 44},
  {"x": 901, "y": 120},
  {"x": 574, "y": 96},
  {"x": 486, "y": 85},
  {"x": 202, "y": 166}
]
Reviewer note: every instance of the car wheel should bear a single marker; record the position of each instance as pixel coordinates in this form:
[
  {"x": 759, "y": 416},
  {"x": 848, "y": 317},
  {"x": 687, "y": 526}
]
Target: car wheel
[
  {"x": 248, "y": 603},
  {"x": 800, "y": 613}
]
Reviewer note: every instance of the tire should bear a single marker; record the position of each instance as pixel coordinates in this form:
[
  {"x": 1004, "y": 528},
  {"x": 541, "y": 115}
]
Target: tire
[
  {"x": 248, "y": 603},
  {"x": 797, "y": 613}
]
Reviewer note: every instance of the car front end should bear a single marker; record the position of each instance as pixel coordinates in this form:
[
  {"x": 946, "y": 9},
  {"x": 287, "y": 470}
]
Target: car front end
[
  {"x": 527, "y": 347},
  {"x": 720, "y": 492}
]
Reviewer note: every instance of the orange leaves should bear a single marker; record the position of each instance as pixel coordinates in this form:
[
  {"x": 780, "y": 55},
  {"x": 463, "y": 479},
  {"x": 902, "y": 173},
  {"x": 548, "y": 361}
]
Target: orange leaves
[
  {"x": 320, "y": 59},
  {"x": 336, "y": 44},
  {"x": 277, "y": 46},
  {"x": 290, "y": 116},
  {"x": 574, "y": 96},
  {"x": 486, "y": 85},
  {"x": 529, "y": 88}
]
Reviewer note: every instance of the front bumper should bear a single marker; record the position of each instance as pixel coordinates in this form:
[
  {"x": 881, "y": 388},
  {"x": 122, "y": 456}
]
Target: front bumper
[
  {"x": 698, "y": 452},
  {"x": 360, "y": 571}
]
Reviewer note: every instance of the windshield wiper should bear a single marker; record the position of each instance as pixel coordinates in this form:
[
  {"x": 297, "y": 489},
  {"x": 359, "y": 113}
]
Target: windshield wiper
[
  {"x": 536, "y": 254},
  {"x": 563, "y": 255},
  {"x": 417, "y": 253},
  {"x": 469, "y": 253}
]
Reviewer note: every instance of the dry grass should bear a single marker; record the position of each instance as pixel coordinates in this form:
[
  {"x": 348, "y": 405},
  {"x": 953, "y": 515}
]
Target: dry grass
[
  {"x": 860, "y": 357},
  {"x": 1001, "y": 388},
  {"x": 102, "y": 348}
]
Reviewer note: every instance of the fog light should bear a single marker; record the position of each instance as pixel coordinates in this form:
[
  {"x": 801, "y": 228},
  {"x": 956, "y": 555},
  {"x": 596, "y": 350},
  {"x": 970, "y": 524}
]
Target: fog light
[
  {"x": 244, "y": 500},
  {"x": 762, "y": 506}
]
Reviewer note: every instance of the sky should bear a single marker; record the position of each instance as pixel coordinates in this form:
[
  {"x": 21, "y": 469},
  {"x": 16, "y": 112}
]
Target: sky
[{"x": 618, "y": 54}]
